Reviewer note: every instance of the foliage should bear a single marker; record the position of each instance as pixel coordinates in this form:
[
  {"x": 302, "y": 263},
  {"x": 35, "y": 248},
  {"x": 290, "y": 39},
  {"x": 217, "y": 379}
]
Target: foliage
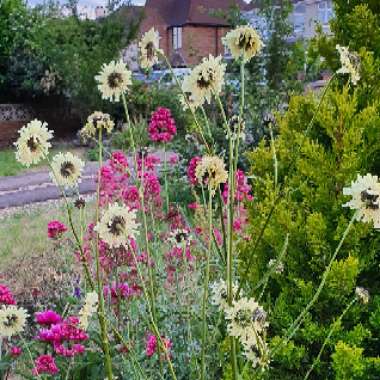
[
  {"x": 342, "y": 142},
  {"x": 60, "y": 56}
]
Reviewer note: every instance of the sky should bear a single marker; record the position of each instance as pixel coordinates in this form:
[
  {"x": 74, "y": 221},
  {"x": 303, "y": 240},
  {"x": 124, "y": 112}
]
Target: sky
[{"x": 89, "y": 2}]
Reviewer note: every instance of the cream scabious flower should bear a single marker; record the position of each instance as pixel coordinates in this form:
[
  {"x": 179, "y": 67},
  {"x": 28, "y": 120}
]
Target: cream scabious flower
[
  {"x": 350, "y": 64},
  {"x": 189, "y": 103},
  {"x": 113, "y": 80},
  {"x": 89, "y": 308},
  {"x": 12, "y": 320},
  {"x": 219, "y": 294},
  {"x": 205, "y": 80},
  {"x": 149, "y": 47},
  {"x": 33, "y": 143},
  {"x": 243, "y": 42},
  {"x": 211, "y": 170},
  {"x": 66, "y": 170},
  {"x": 117, "y": 226},
  {"x": 95, "y": 122},
  {"x": 246, "y": 320},
  {"x": 179, "y": 238},
  {"x": 362, "y": 295},
  {"x": 365, "y": 193}
]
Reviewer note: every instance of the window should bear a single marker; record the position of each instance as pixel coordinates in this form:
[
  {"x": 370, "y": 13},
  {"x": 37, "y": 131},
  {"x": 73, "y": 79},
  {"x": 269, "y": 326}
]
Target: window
[
  {"x": 325, "y": 11},
  {"x": 299, "y": 18},
  {"x": 177, "y": 38}
]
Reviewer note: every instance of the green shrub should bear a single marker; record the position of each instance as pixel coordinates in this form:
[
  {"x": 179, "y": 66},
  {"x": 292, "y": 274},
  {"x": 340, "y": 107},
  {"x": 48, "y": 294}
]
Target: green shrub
[{"x": 342, "y": 143}]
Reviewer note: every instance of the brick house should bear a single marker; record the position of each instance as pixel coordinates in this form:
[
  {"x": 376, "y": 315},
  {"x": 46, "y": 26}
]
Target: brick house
[{"x": 189, "y": 29}]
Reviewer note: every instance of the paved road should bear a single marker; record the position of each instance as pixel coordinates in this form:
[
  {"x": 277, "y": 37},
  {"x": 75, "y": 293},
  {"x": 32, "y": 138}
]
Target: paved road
[{"x": 37, "y": 187}]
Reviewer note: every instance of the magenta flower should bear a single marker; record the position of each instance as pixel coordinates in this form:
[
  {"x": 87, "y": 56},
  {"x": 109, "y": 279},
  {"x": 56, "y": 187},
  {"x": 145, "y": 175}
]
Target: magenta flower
[
  {"x": 162, "y": 126},
  {"x": 151, "y": 345},
  {"x": 56, "y": 229},
  {"x": 45, "y": 364},
  {"x": 48, "y": 317},
  {"x": 15, "y": 351},
  {"x": 6, "y": 297},
  {"x": 191, "y": 170},
  {"x": 243, "y": 189}
]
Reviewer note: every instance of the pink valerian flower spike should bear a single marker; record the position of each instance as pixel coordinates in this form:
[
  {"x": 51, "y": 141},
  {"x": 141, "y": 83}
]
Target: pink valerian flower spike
[{"x": 162, "y": 126}]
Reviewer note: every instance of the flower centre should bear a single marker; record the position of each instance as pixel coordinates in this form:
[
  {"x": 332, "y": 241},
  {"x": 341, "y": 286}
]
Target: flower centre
[
  {"x": 370, "y": 199},
  {"x": 116, "y": 225},
  {"x": 115, "y": 80},
  {"x": 149, "y": 51},
  {"x": 10, "y": 320},
  {"x": 33, "y": 143},
  {"x": 246, "y": 42},
  {"x": 180, "y": 237},
  {"x": 244, "y": 318},
  {"x": 67, "y": 169},
  {"x": 205, "y": 80}
]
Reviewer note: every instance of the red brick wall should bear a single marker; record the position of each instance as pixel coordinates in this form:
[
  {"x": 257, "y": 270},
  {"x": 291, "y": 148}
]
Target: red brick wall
[
  {"x": 9, "y": 132},
  {"x": 198, "y": 42}
]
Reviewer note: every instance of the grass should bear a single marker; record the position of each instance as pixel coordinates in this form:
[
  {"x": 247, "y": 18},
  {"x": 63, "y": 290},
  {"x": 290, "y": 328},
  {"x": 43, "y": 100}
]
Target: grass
[
  {"x": 9, "y": 166},
  {"x": 25, "y": 233}
]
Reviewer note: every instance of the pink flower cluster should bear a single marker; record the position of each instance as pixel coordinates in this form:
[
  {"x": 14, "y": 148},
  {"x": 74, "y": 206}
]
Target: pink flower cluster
[
  {"x": 116, "y": 292},
  {"x": 116, "y": 184},
  {"x": 114, "y": 177},
  {"x": 6, "y": 296},
  {"x": 191, "y": 170},
  {"x": 65, "y": 336},
  {"x": 48, "y": 318},
  {"x": 243, "y": 189},
  {"x": 45, "y": 364},
  {"x": 56, "y": 229},
  {"x": 151, "y": 344},
  {"x": 162, "y": 126}
]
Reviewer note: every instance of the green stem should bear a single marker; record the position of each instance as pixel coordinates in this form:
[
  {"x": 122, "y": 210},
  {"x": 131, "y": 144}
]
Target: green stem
[
  {"x": 205, "y": 289},
  {"x": 297, "y": 323},
  {"x": 332, "y": 329},
  {"x": 101, "y": 312},
  {"x": 165, "y": 179}
]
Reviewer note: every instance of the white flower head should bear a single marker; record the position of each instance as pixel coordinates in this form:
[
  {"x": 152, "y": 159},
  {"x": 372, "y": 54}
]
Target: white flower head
[
  {"x": 89, "y": 308},
  {"x": 189, "y": 103},
  {"x": 95, "y": 122},
  {"x": 33, "y": 143},
  {"x": 117, "y": 226},
  {"x": 365, "y": 193},
  {"x": 276, "y": 265},
  {"x": 243, "y": 42},
  {"x": 246, "y": 320},
  {"x": 205, "y": 80},
  {"x": 114, "y": 80},
  {"x": 66, "y": 170},
  {"x": 219, "y": 294},
  {"x": 350, "y": 64},
  {"x": 211, "y": 170},
  {"x": 12, "y": 320},
  {"x": 362, "y": 294},
  {"x": 180, "y": 238},
  {"x": 149, "y": 47}
]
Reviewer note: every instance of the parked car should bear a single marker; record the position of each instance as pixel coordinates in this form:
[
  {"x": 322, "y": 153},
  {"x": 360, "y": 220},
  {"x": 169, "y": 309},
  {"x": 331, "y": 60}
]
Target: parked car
[{"x": 162, "y": 77}]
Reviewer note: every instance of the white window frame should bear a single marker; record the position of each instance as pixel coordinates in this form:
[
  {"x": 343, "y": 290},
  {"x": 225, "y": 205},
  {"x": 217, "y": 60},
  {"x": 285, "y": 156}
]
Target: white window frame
[
  {"x": 177, "y": 37},
  {"x": 325, "y": 11},
  {"x": 299, "y": 18}
]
